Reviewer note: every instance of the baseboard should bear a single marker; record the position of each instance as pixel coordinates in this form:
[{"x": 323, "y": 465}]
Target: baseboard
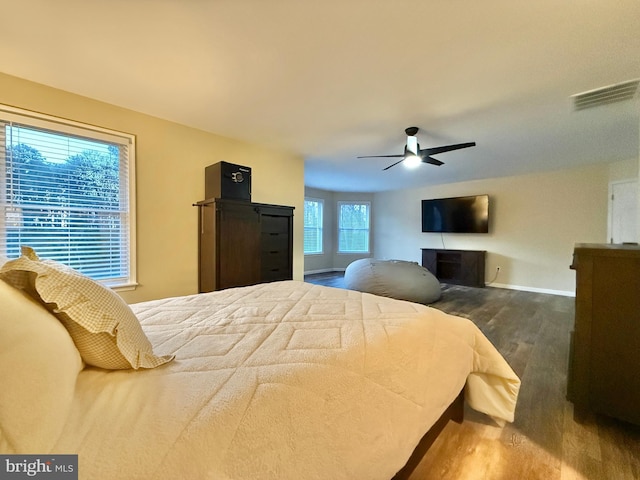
[
  {"x": 324, "y": 270},
  {"x": 561, "y": 293},
  {"x": 549, "y": 291}
]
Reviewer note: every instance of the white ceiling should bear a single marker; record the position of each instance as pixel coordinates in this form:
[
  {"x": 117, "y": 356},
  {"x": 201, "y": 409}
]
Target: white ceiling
[{"x": 335, "y": 79}]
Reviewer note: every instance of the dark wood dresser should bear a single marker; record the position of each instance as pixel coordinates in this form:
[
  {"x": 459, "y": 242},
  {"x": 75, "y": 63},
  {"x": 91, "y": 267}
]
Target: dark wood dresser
[
  {"x": 604, "y": 360},
  {"x": 243, "y": 243}
]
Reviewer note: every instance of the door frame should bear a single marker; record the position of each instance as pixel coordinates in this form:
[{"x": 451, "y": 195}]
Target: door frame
[{"x": 610, "y": 205}]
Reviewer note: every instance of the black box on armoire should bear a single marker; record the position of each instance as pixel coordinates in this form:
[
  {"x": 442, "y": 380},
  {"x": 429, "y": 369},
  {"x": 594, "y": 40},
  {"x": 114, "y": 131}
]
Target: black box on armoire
[{"x": 227, "y": 180}]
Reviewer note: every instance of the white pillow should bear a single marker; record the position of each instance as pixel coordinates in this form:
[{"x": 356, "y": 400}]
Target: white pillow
[
  {"x": 103, "y": 327},
  {"x": 39, "y": 365}
]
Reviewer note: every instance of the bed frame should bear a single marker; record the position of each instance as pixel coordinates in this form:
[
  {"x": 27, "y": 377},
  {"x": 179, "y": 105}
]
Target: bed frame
[{"x": 454, "y": 412}]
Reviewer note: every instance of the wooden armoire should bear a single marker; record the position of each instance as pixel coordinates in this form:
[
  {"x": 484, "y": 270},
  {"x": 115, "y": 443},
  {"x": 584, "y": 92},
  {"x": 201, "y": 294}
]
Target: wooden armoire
[
  {"x": 604, "y": 359},
  {"x": 243, "y": 243}
]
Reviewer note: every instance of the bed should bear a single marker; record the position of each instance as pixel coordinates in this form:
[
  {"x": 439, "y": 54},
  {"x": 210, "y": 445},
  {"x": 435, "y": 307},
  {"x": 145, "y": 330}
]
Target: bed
[{"x": 283, "y": 380}]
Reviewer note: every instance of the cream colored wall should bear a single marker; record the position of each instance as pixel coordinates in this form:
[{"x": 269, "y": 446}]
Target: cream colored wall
[
  {"x": 535, "y": 222},
  {"x": 623, "y": 170},
  {"x": 170, "y": 177}
]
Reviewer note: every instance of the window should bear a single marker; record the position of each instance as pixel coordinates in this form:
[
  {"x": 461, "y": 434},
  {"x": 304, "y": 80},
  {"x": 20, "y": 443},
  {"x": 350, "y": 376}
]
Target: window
[
  {"x": 66, "y": 189},
  {"x": 353, "y": 227},
  {"x": 313, "y": 225}
]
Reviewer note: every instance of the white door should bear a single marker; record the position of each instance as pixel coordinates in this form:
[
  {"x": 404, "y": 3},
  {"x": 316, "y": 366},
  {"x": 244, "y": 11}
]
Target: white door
[{"x": 623, "y": 212}]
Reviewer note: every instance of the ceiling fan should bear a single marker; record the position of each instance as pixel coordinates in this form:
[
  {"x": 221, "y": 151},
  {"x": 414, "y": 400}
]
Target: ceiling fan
[{"x": 414, "y": 155}]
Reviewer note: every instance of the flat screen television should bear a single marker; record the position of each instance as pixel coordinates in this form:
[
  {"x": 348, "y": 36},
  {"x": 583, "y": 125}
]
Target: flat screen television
[{"x": 456, "y": 215}]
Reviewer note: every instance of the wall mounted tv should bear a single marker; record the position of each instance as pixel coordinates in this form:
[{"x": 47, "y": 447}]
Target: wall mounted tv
[{"x": 456, "y": 215}]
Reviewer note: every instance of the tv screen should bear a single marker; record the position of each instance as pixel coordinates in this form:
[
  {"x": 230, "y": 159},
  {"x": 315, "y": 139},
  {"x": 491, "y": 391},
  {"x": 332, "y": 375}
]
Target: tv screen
[{"x": 456, "y": 215}]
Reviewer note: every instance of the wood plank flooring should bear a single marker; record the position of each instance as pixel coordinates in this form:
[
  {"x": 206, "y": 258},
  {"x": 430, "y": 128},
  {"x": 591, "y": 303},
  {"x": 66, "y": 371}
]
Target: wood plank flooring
[{"x": 531, "y": 330}]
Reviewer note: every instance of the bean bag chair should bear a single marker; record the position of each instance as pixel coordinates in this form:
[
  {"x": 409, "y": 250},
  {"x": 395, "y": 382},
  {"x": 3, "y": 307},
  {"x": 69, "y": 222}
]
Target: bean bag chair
[{"x": 393, "y": 278}]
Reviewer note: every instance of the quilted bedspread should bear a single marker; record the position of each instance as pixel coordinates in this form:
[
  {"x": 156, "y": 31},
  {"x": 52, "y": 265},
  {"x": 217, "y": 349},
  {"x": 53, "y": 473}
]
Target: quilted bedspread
[{"x": 283, "y": 380}]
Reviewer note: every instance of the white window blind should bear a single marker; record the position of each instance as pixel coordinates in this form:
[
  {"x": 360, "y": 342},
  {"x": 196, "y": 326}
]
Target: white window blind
[
  {"x": 353, "y": 227},
  {"x": 313, "y": 225},
  {"x": 66, "y": 191}
]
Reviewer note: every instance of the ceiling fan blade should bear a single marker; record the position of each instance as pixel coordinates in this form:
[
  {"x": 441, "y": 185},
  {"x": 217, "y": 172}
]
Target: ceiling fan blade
[
  {"x": 412, "y": 149},
  {"x": 432, "y": 161},
  {"x": 394, "y": 164},
  {"x": 446, "y": 148}
]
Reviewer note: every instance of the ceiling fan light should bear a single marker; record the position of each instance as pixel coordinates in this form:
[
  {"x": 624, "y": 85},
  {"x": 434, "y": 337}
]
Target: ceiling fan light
[
  {"x": 412, "y": 144},
  {"x": 412, "y": 161}
]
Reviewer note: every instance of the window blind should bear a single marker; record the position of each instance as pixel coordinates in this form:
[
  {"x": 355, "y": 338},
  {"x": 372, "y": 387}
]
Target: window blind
[
  {"x": 313, "y": 226},
  {"x": 65, "y": 192}
]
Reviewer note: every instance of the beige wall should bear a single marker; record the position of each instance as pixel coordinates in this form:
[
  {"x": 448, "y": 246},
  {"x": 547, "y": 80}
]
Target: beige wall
[
  {"x": 170, "y": 177},
  {"x": 535, "y": 222},
  {"x": 625, "y": 170}
]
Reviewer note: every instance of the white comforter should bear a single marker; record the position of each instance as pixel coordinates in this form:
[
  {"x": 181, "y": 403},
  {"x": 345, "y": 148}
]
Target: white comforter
[{"x": 283, "y": 380}]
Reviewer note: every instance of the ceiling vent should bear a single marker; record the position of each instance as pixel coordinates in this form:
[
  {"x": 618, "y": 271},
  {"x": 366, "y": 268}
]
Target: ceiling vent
[{"x": 602, "y": 96}]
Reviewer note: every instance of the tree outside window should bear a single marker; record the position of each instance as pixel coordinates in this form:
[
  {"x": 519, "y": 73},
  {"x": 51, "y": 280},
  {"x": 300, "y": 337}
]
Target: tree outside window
[
  {"x": 313, "y": 225},
  {"x": 67, "y": 196},
  {"x": 353, "y": 227}
]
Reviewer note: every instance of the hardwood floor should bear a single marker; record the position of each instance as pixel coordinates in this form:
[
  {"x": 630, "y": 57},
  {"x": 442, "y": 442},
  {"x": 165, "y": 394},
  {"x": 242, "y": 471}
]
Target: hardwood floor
[{"x": 531, "y": 330}]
